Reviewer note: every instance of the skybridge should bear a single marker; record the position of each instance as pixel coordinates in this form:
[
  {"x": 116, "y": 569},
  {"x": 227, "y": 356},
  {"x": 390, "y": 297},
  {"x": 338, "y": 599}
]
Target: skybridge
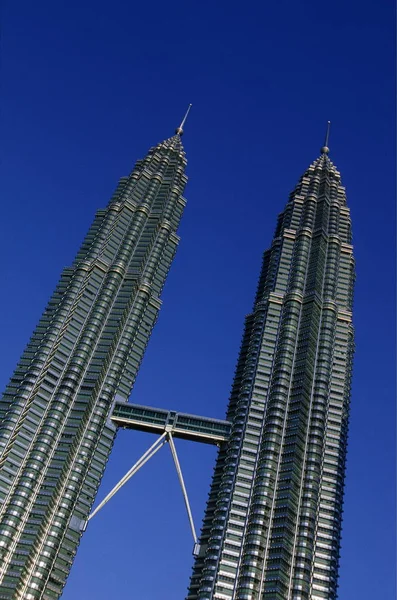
[
  {"x": 182, "y": 425},
  {"x": 168, "y": 425}
]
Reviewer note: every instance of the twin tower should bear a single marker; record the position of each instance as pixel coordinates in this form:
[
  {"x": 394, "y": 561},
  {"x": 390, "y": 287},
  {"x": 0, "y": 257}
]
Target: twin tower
[{"x": 272, "y": 524}]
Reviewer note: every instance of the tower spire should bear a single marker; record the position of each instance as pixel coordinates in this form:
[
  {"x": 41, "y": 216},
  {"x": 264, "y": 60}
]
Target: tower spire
[
  {"x": 179, "y": 130},
  {"x": 325, "y": 149}
]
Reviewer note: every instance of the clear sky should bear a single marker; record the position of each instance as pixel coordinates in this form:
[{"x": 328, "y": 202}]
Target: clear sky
[{"x": 86, "y": 88}]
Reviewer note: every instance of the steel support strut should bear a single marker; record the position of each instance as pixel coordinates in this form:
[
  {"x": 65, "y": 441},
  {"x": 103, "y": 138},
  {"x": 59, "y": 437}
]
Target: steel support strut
[
  {"x": 181, "y": 481},
  {"x": 159, "y": 443}
]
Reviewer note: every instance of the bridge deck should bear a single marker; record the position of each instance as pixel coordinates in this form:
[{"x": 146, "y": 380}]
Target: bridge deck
[{"x": 181, "y": 425}]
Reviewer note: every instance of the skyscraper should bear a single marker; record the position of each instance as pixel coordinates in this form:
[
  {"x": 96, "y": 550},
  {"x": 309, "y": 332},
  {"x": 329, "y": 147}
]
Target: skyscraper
[
  {"x": 55, "y": 430},
  {"x": 272, "y": 524}
]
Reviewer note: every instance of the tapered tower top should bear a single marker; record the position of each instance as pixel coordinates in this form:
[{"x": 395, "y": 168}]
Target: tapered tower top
[
  {"x": 325, "y": 149},
  {"x": 179, "y": 130}
]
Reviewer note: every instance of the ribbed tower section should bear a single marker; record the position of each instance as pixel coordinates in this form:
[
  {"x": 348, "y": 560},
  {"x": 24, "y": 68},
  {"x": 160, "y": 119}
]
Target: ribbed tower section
[
  {"x": 272, "y": 525},
  {"x": 55, "y": 432}
]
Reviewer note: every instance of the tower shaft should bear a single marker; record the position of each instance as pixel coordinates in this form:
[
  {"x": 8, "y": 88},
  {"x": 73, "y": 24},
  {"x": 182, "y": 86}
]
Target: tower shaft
[
  {"x": 272, "y": 525},
  {"x": 55, "y": 431}
]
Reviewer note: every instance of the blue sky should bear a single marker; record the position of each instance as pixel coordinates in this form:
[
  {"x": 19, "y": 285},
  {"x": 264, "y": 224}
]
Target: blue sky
[{"x": 87, "y": 87}]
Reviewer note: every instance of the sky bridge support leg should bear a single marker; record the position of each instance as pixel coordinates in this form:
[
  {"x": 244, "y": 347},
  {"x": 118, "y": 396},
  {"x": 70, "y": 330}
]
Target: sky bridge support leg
[
  {"x": 185, "y": 496},
  {"x": 159, "y": 443}
]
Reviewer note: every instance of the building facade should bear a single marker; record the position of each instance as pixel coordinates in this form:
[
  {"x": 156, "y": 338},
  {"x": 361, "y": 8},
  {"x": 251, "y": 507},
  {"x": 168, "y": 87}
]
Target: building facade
[
  {"x": 55, "y": 427},
  {"x": 273, "y": 520}
]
